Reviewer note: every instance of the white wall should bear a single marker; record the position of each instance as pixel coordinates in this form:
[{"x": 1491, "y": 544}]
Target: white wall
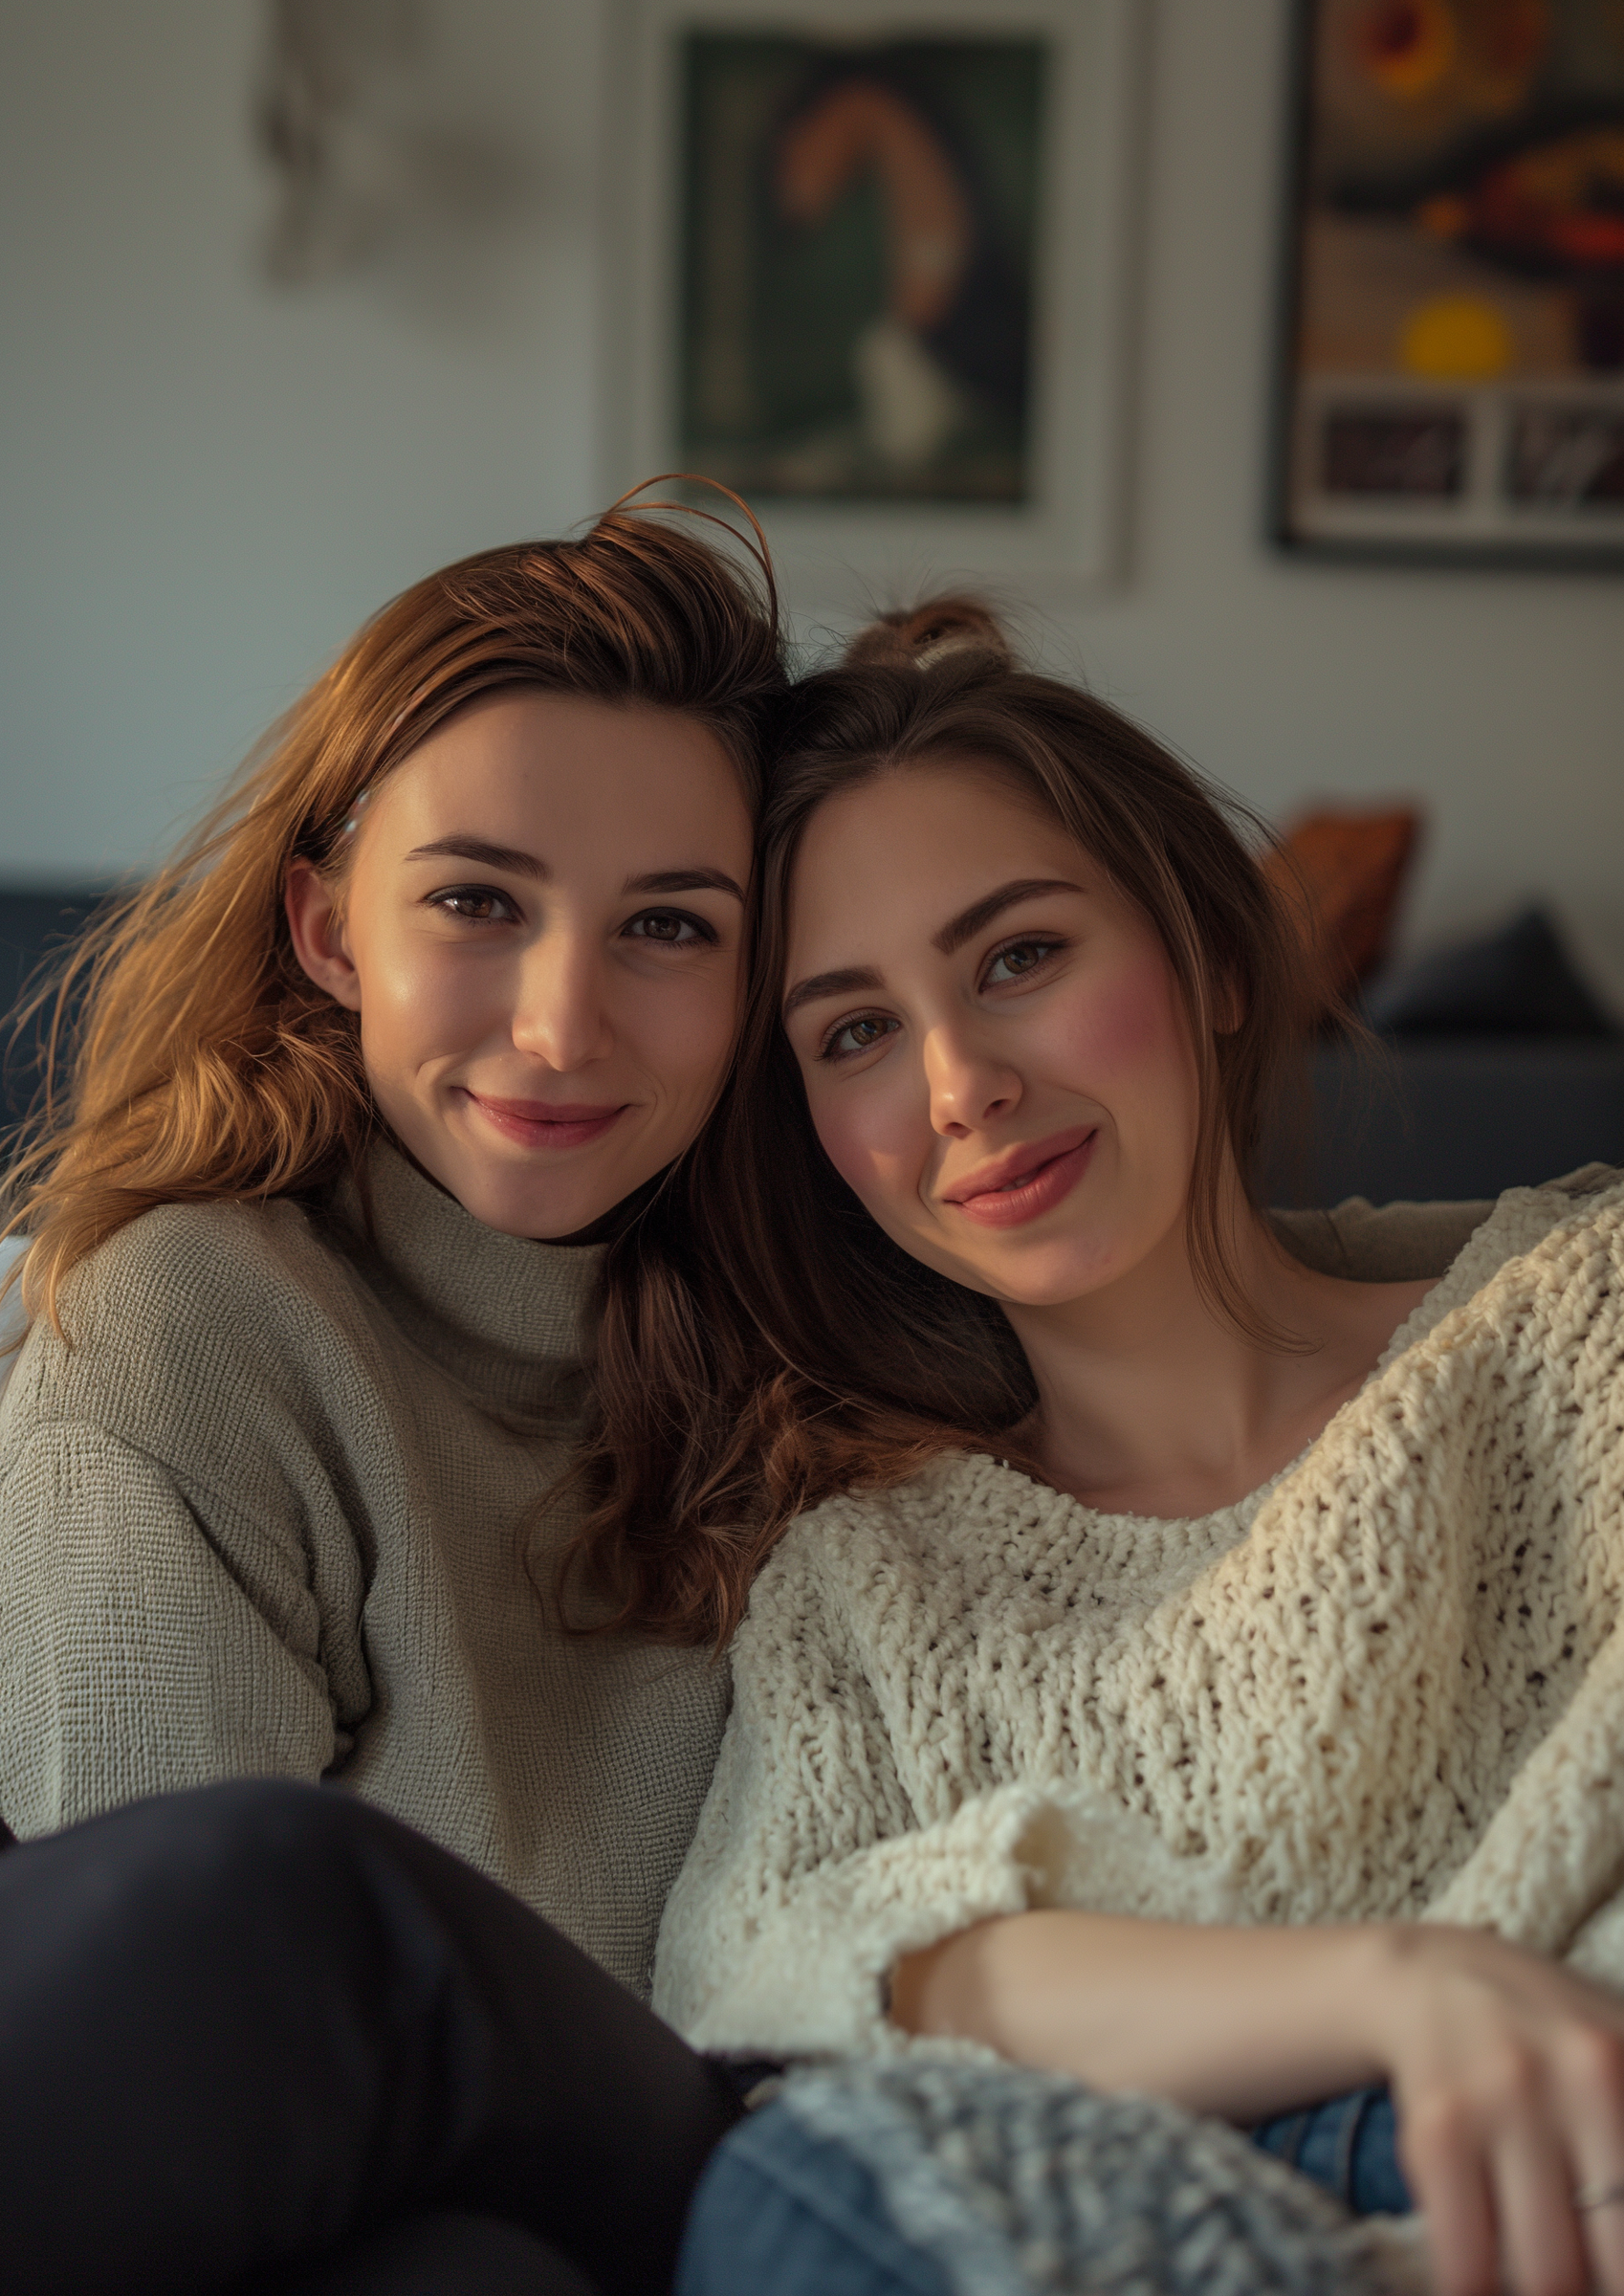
[{"x": 209, "y": 480}]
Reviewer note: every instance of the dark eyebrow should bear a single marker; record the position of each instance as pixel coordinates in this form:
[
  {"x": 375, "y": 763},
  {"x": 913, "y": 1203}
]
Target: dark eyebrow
[
  {"x": 480, "y": 850},
  {"x": 830, "y": 984},
  {"x": 684, "y": 880},
  {"x": 969, "y": 921}
]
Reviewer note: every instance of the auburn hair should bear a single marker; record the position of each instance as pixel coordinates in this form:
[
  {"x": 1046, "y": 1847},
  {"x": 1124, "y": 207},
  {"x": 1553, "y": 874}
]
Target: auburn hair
[
  {"x": 791, "y": 1348},
  {"x": 187, "y": 1056}
]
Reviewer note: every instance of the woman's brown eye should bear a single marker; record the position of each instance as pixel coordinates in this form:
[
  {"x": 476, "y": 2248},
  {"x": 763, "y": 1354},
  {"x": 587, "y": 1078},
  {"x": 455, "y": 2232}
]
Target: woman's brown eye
[
  {"x": 671, "y": 929},
  {"x": 478, "y": 907}
]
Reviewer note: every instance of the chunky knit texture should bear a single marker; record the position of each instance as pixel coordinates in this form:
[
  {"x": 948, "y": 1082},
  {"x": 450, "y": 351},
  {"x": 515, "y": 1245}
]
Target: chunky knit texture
[
  {"x": 1391, "y": 1684},
  {"x": 1020, "y": 2183},
  {"x": 265, "y": 1516}
]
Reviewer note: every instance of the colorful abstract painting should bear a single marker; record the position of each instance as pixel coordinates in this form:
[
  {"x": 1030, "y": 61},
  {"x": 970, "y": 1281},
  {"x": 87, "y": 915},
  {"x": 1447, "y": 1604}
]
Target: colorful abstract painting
[
  {"x": 859, "y": 237},
  {"x": 1454, "y": 349}
]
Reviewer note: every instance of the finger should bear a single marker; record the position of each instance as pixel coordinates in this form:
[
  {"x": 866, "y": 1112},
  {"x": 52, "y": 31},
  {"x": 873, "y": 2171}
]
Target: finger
[
  {"x": 1603, "y": 2234},
  {"x": 1594, "y": 2114},
  {"x": 1447, "y": 2173},
  {"x": 1542, "y": 2244}
]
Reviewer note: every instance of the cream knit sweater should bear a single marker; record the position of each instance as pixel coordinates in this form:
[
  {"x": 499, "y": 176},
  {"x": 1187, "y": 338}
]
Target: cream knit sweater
[
  {"x": 1388, "y": 1684},
  {"x": 265, "y": 1516}
]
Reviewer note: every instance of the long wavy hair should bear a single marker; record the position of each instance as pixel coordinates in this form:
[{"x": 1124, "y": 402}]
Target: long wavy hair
[
  {"x": 187, "y": 1056},
  {"x": 791, "y": 1348}
]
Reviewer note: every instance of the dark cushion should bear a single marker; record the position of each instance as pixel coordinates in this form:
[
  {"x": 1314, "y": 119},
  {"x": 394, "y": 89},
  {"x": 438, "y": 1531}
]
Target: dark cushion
[{"x": 1518, "y": 982}]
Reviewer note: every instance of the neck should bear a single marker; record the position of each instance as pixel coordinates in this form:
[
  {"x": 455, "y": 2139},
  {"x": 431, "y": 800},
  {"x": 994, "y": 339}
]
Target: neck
[{"x": 1151, "y": 1400}]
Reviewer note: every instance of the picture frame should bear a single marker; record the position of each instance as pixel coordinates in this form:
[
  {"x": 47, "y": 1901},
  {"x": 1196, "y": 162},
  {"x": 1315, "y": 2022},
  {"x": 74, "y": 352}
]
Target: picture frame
[
  {"x": 872, "y": 265},
  {"x": 1450, "y": 359}
]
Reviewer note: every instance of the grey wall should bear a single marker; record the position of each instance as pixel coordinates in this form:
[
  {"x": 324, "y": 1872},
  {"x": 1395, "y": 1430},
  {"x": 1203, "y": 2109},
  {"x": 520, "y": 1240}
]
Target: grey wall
[{"x": 209, "y": 480}]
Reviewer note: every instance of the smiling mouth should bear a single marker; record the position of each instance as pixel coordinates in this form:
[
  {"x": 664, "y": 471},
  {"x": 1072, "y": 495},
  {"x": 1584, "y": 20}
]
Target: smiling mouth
[
  {"x": 1024, "y": 1189},
  {"x": 546, "y": 1123}
]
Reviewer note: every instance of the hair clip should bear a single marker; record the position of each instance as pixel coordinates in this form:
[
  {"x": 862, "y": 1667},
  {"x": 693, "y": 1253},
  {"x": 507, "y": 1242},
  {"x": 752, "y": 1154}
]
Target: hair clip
[{"x": 357, "y": 810}]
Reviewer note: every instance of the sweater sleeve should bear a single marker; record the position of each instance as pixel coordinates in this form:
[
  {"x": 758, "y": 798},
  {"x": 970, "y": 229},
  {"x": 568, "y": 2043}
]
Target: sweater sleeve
[
  {"x": 150, "y": 1639},
  {"x": 814, "y": 1870}
]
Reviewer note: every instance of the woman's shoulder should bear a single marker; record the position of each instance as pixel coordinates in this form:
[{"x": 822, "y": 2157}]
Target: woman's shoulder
[
  {"x": 1530, "y": 1236},
  {"x": 189, "y": 1299}
]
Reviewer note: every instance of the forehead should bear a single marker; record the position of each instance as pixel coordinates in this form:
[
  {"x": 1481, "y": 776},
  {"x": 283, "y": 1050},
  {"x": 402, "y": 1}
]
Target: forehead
[
  {"x": 917, "y": 845},
  {"x": 569, "y": 763}
]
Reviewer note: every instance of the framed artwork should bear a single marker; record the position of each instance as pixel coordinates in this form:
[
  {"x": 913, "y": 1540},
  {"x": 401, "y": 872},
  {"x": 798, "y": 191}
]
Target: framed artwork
[
  {"x": 1452, "y": 354},
  {"x": 872, "y": 275}
]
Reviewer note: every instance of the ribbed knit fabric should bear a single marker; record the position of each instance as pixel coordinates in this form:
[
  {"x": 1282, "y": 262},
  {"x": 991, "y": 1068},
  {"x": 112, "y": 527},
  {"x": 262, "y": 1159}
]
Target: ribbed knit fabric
[
  {"x": 264, "y": 1516},
  {"x": 1388, "y": 1684}
]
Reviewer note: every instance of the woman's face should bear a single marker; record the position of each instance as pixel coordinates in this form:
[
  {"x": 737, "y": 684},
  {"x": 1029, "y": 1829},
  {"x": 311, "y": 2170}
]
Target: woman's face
[
  {"x": 541, "y": 929},
  {"x": 994, "y": 1048}
]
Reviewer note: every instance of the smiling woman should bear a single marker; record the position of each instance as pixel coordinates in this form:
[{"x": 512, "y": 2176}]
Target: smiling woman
[
  {"x": 1162, "y": 1662},
  {"x": 317, "y": 1229},
  {"x": 610, "y": 955}
]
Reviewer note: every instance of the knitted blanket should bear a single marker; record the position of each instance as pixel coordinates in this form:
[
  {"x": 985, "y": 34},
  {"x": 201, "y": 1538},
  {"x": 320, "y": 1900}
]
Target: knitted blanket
[
  {"x": 1019, "y": 2183},
  {"x": 1391, "y": 1684}
]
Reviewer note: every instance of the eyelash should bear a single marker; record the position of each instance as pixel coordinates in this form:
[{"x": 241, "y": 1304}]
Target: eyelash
[
  {"x": 1046, "y": 945},
  {"x": 700, "y": 934}
]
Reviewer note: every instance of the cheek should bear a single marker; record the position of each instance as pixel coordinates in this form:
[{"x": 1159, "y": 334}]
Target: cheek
[
  {"x": 1129, "y": 1027},
  {"x": 684, "y": 1031},
  {"x": 875, "y": 1135}
]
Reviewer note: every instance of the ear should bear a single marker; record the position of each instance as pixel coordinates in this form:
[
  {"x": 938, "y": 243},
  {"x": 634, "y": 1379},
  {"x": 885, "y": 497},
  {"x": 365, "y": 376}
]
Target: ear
[{"x": 316, "y": 922}]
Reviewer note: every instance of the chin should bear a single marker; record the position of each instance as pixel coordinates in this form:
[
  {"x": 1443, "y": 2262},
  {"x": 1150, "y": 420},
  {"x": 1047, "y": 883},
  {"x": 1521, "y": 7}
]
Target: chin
[{"x": 1049, "y": 1279}]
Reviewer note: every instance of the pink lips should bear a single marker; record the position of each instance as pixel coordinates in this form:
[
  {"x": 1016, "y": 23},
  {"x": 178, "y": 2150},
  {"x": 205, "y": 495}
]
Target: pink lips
[
  {"x": 1026, "y": 1181},
  {"x": 546, "y": 1123}
]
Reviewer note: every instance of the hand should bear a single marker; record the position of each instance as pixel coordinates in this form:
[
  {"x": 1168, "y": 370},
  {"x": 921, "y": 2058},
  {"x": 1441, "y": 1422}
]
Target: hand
[{"x": 1507, "y": 2072}]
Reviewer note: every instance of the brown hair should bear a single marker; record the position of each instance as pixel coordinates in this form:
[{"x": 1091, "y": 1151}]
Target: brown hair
[
  {"x": 798, "y": 1350},
  {"x": 203, "y": 1064}
]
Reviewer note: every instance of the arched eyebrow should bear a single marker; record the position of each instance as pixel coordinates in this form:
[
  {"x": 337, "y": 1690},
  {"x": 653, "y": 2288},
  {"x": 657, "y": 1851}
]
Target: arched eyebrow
[
  {"x": 482, "y": 850},
  {"x": 684, "y": 880},
  {"x": 969, "y": 921},
  {"x": 529, "y": 865},
  {"x": 844, "y": 984},
  {"x": 852, "y": 978}
]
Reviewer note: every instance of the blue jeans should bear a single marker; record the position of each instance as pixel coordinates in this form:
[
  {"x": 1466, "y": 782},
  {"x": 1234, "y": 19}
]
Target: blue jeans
[{"x": 780, "y": 2211}]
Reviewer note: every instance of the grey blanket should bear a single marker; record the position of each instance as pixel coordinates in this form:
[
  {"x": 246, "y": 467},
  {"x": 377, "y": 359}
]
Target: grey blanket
[{"x": 1020, "y": 2183}]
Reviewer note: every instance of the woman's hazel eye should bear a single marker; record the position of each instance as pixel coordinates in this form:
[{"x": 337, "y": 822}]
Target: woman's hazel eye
[
  {"x": 858, "y": 1036},
  {"x": 1020, "y": 958}
]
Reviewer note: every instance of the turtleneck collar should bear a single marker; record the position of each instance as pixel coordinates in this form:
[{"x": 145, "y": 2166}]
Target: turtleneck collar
[{"x": 495, "y": 1310}]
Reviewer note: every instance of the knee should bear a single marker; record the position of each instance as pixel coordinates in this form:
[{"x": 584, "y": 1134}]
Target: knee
[{"x": 248, "y": 1846}]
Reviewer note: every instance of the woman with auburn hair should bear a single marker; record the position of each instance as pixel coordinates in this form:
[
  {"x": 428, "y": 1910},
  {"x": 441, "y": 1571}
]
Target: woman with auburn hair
[
  {"x": 365, "y": 1087},
  {"x": 1165, "y": 1665}
]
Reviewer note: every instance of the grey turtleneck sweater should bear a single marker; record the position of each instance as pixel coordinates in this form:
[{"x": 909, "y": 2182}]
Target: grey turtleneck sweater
[{"x": 267, "y": 1515}]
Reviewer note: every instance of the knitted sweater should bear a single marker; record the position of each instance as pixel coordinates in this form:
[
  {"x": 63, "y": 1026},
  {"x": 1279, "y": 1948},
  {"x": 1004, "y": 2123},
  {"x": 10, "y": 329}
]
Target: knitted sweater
[
  {"x": 1390, "y": 1683},
  {"x": 264, "y": 1516}
]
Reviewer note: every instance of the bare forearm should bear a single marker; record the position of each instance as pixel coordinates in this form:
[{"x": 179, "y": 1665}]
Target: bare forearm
[{"x": 1240, "y": 2022}]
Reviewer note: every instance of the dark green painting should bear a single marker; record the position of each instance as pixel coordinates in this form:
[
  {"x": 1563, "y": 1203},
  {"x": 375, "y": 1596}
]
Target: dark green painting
[{"x": 859, "y": 227}]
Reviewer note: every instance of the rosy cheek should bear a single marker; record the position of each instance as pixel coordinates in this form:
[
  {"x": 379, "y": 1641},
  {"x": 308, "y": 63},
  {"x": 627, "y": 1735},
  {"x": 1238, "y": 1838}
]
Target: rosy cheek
[
  {"x": 1125, "y": 1022},
  {"x": 870, "y": 1142}
]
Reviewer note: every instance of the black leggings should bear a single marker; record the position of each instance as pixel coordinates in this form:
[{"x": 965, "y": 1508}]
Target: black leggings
[{"x": 261, "y": 2038}]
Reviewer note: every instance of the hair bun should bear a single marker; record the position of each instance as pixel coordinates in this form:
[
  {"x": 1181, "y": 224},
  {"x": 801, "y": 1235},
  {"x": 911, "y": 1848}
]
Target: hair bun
[{"x": 913, "y": 637}]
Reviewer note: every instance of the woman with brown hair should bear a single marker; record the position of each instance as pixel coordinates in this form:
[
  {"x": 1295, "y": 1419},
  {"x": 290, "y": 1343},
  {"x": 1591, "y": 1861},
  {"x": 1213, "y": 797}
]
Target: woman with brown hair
[{"x": 1162, "y": 1662}]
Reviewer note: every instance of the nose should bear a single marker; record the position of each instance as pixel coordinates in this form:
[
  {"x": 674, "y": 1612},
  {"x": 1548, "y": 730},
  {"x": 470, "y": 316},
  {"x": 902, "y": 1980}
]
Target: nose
[
  {"x": 969, "y": 1088},
  {"x": 558, "y": 1009}
]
